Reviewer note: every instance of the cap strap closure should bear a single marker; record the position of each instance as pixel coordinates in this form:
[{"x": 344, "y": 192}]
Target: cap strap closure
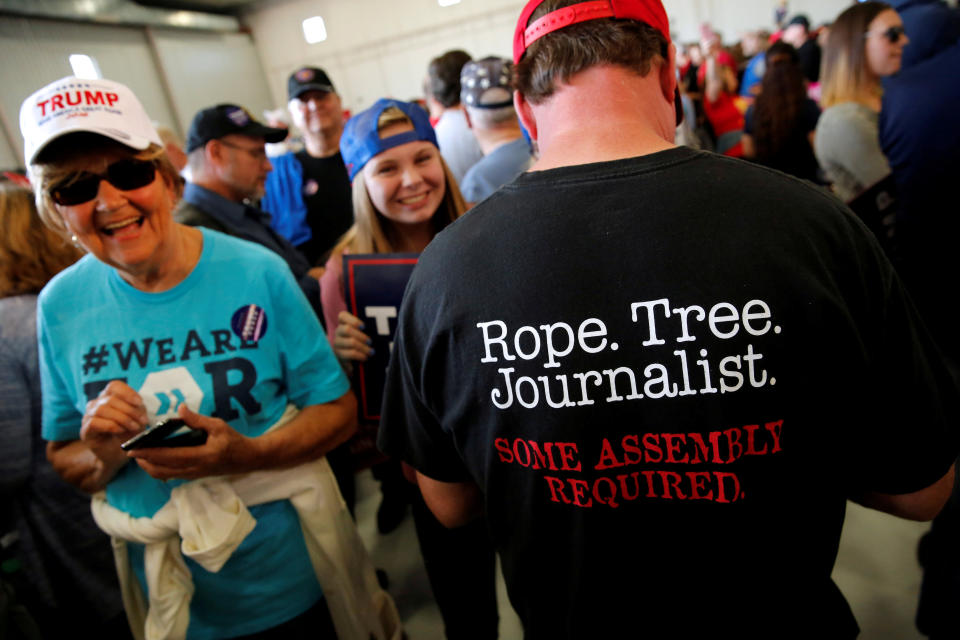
[
  {"x": 650, "y": 12},
  {"x": 565, "y": 17},
  {"x": 399, "y": 139}
]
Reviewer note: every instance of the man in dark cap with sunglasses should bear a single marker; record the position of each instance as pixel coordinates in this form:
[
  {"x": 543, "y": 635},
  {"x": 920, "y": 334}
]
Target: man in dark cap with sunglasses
[
  {"x": 228, "y": 168},
  {"x": 308, "y": 193},
  {"x": 659, "y": 372}
]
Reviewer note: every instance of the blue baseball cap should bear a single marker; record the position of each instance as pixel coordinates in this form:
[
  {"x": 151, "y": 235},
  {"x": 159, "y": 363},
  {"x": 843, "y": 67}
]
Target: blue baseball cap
[{"x": 361, "y": 140}]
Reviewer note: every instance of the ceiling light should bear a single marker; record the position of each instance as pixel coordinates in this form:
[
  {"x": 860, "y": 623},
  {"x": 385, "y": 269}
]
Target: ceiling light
[{"x": 314, "y": 30}]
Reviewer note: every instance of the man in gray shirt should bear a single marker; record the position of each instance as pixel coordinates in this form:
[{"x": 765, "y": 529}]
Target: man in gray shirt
[
  {"x": 457, "y": 145},
  {"x": 485, "y": 91}
]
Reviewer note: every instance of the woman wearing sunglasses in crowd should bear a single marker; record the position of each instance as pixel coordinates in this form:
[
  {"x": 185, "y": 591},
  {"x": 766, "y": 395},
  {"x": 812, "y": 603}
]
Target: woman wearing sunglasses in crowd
[
  {"x": 403, "y": 195},
  {"x": 865, "y": 45},
  {"x": 162, "y": 320}
]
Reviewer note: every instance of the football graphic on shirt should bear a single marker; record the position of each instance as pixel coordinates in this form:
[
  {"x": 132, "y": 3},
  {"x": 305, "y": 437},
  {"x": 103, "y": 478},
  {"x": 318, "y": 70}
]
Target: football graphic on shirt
[{"x": 164, "y": 391}]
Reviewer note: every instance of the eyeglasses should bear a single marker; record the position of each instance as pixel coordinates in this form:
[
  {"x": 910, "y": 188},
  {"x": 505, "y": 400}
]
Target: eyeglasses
[
  {"x": 257, "y": 153},
  {"x": 125, "y": 175},
  {"x": 892, "y": 34}
]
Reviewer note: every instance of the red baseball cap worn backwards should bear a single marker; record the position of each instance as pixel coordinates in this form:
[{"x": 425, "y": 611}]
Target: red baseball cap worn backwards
[{"x": 649, "y": 12}]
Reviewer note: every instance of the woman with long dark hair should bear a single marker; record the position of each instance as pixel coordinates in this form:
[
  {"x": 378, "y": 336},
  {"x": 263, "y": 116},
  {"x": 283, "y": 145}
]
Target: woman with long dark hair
[{"x": 780, "y": 124}]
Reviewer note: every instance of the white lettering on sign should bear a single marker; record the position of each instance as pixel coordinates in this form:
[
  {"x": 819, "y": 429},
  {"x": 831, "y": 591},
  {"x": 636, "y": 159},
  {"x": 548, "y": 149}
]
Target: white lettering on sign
[{"x": 382, "y": 317}]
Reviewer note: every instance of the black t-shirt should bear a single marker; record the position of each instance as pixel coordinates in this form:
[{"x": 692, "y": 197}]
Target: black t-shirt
[
  {"x": 690, "y": 79},
  {"x": 809, "y": 57},
  {"x": 666, "y": 374},
  {"x": 327, "y": 195}
]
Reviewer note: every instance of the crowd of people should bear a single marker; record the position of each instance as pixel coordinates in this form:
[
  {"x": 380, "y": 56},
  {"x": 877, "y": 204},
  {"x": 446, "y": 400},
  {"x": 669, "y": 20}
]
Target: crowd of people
[{"x": 675, "y": 304}]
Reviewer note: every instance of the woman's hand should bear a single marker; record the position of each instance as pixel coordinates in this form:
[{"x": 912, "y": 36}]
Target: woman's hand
[
  {"x": 349, "y": 342},
  {"x": 225, "y": 452},
  {"x": 116, "y": 415},
  {"x": 314, "y": 431}
]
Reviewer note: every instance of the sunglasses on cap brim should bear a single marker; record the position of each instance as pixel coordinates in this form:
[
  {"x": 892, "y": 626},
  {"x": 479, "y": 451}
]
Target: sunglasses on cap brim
[{"x": 126, "y": 175}]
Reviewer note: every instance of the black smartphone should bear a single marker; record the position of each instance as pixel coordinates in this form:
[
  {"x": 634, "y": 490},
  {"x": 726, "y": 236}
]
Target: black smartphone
[{"x": 160, "y": 436}]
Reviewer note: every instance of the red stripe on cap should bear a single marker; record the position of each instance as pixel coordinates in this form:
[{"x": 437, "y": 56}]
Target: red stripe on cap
[{"x": 650, "y": 12}]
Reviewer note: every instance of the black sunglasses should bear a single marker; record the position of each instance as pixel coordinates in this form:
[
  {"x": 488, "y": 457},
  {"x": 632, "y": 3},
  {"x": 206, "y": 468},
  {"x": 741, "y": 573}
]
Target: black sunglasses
[
  {"x": 125, "y": 175},
  {"x": 892, "y": 34}
]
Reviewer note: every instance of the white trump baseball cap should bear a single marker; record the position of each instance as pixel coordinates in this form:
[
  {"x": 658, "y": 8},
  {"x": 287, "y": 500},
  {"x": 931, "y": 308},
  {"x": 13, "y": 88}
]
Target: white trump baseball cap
[{"x": 72, "y": 104}]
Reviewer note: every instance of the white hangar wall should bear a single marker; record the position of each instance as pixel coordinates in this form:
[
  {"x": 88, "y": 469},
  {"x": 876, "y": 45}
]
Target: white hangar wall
[
  {"x": 375, "y": 48},
  {"x": 379, "y": 48}
]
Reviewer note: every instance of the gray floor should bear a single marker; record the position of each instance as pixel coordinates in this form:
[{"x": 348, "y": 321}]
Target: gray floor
[{"x": 876, "y": 570}]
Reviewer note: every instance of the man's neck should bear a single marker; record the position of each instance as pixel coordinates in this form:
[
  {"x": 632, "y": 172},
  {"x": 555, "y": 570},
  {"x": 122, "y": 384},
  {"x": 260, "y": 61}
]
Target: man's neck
[
  {"x": 454, "y": 109},
  {"x": 217, "y": 187},
  {"x": 492, "y": 139},
  {"x": 323, "y": 144},
  {"x": 601, "y": 114}
]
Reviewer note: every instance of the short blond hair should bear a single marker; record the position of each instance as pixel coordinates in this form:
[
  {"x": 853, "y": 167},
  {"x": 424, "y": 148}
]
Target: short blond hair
[
  {"x": 52, "y": 168},
  {"x": 30, "y": 252},
  {"x": 371, "y": 232}
]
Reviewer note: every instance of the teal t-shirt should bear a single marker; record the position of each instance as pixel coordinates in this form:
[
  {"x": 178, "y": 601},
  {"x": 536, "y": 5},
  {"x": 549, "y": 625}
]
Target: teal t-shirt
[{"x": 235, "y": 339}]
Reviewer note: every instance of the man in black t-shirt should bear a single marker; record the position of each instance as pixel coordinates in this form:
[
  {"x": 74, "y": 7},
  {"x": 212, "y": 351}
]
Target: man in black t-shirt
[
  {"x": 660, "y": 372},
  {"x": 308, "y": 193}
]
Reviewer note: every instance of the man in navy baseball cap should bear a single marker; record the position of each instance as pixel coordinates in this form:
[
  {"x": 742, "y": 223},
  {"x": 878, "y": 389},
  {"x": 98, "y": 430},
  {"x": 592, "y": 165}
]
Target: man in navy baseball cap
[
  {"x": 228, "y": 166},
  {"x": 222, "y": 120},
  {"x": 660, "y": 372},
  {"x": 308, "y": 79},
  {"x": 308, "y": 191}
]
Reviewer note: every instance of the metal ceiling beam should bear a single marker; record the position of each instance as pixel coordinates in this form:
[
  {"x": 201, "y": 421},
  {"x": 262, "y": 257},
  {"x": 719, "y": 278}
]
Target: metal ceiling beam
[{"x": 118, "y": 12}]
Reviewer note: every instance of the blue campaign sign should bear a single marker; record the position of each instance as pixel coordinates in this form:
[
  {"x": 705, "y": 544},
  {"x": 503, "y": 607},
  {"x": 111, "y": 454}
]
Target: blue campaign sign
[{"x": 374, "y": 289}]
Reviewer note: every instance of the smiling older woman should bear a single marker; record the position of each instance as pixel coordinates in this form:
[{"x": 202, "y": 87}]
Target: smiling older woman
[{"x": 161, "y": 320}]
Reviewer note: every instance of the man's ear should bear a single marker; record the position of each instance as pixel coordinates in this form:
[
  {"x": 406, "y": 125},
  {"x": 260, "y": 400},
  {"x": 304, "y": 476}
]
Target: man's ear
[
  {"x": 668, "y": 74},
  {"x": 525, "y": 113},
  {"x": 213, "y": 153}
]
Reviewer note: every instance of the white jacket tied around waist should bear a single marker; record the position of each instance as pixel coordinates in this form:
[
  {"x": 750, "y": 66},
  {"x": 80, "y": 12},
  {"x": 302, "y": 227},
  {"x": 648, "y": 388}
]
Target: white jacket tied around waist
[{"x": 207, "y": 519}]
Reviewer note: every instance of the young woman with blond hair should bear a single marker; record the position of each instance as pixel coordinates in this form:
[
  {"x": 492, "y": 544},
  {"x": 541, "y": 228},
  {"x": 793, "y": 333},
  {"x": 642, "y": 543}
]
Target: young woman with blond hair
[
  {"x": 404, "y": 194},
  {"x": 865, "y": 44}
]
